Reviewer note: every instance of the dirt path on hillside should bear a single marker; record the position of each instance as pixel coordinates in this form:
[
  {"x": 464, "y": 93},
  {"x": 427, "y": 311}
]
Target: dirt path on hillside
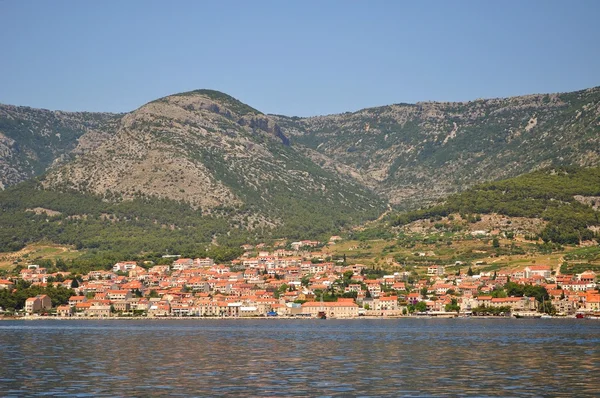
[{"x": 560, "y": 261}]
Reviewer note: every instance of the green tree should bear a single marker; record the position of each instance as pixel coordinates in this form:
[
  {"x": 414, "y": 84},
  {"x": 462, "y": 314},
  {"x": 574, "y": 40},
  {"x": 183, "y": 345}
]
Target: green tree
[
  {"x": 547, "y": 308},
  {"x": 348, "y": 276},
  {"x": 453, "y": 306},
  {"x": 281, "y": 290},
  {"x": 305, "y": 280},
  {"x": 61, "y": 265}
]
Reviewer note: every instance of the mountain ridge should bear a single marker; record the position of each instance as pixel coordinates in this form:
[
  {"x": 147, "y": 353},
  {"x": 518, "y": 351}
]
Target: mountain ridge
[
  {"x": 201, "y": 167},
  {"x": 407, "y": 154},
  {"x": 219, "y": 157},
  {"x": 435, "y": 148},
  {"x": 32, "y": 140}
]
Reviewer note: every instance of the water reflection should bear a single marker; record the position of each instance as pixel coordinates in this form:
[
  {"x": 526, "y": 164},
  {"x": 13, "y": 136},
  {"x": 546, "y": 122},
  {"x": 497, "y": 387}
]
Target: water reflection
[{"x": 300, "y": 358}]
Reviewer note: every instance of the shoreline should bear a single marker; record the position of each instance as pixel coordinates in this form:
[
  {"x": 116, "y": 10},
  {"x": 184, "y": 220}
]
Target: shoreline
[{"x": 213, "y": 318}]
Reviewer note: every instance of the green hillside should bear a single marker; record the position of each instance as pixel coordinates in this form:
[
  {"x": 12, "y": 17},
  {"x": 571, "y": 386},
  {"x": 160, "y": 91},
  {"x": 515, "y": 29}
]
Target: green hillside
[
  {"x": 30, "y": 214},
  {"x": 199, "y": 168},
  {"x": 548, "y": 194}
]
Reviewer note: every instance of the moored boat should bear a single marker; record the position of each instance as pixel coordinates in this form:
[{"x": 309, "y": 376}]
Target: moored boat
[{"x": 527, "y": 315}]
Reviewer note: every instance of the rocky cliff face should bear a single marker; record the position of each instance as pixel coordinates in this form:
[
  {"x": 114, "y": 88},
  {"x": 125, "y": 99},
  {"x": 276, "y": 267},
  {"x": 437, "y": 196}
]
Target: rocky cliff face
[
  {"x": 31, "y": 140},
  {"x": 410, "y": 153},
  {"x": 212, "y": 152}
]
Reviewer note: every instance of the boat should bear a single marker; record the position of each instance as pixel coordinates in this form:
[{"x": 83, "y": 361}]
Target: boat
[
  {"x": 546, "y": 316},
  {"x": 527, "y": 315}
]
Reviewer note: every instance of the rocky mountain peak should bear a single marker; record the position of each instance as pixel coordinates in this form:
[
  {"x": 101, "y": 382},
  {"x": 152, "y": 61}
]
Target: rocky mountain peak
[
  {"x": 406, "y": 153},
  {"x": 206, "y": 109}
]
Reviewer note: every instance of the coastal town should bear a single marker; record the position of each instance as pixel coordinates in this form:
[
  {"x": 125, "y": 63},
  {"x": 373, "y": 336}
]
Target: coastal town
[{"x": 297, "y": 281}]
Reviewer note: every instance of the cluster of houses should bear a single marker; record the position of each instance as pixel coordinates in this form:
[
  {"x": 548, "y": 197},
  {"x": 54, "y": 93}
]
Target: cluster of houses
[{"x": 286, "y": 283}]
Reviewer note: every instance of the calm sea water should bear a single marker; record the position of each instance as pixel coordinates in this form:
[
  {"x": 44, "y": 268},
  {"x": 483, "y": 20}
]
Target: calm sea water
[{"x": 408, "y": 357}]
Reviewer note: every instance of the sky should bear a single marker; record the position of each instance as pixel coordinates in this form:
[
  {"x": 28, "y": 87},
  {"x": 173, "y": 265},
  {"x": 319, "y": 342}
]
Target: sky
[{"x": 297, "y": 58}]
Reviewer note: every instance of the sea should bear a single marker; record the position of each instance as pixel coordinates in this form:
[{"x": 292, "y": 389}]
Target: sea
[{"x": 310, "y": 358}]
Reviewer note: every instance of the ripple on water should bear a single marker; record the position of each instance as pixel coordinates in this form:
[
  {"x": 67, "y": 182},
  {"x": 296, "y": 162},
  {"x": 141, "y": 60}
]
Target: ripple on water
[{"x": 300, "y": 358}]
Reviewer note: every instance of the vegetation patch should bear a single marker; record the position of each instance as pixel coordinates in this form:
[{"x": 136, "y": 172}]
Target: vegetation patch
[{"x": 547, "y": 194}]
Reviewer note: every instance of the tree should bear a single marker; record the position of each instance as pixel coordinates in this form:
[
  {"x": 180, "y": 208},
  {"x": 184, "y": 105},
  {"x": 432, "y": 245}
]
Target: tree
[
  {"x": 305, "y": 280},
  {"x": 547, "y": 308},
  {"x": 74, "y": 283},
  {"x": 470, "y": 271},
  {"x": 453, "y": 306},
  {"x": 421, "y": 306},
  {"x": 539, "y": 292},
  {"x": 348, "y": 275},
  {"x": 495, "y": 243},
  {"x": 281, "y": 290},
  {"x": 61, "y": 265}
]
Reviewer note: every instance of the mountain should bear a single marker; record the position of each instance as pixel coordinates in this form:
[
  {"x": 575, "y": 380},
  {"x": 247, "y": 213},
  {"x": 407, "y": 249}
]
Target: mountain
[
  {"x": 200, "y": 167},
  {"x": 406, "y": 153},
  {"x": 31, "y": 140},
  {"x": 411, "y": 153},
  {"x": 207, "y": 149},
  {"x": 195, "y": 160}
]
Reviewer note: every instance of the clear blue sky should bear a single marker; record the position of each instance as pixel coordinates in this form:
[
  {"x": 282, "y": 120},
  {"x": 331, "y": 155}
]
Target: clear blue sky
[{"x": 293, "y": 57}]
